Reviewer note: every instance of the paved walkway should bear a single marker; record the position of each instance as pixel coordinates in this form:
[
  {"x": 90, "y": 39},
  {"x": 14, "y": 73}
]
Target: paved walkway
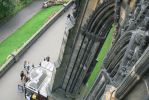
[
  {"x": 47, "y": 45},
  {"x": 19, "y": 19}
]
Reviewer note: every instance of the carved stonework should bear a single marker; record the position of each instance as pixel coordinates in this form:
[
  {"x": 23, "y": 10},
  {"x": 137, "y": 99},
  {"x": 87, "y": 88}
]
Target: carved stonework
[{"x": 134, "y": 51}]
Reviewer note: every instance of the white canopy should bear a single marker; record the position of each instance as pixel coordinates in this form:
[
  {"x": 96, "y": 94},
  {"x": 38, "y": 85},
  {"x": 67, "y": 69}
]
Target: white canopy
[{"x": 41, "y": 78}]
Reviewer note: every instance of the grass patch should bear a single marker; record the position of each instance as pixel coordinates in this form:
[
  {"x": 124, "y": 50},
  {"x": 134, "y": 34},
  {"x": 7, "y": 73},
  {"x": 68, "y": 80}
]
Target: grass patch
[
  {"x": 21, "y": 35},
  {"x": 100, "y": 59}
]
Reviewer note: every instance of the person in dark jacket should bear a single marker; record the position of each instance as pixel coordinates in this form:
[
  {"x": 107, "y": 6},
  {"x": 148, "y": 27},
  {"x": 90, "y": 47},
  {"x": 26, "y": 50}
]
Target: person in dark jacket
[{"x": 22, "y": 75}]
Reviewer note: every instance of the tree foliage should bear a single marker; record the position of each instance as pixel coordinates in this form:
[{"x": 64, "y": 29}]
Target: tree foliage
[
  {"x": 24, "y": 2},
  {"x": 6, "y": 7},
  {"x": 9, "y": 7}
]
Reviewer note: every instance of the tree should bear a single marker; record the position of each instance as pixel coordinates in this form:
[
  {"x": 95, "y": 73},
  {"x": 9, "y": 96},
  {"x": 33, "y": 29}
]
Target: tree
[
  {"x": 24, "y": 2},
  {"x": 6, "y": 7}
]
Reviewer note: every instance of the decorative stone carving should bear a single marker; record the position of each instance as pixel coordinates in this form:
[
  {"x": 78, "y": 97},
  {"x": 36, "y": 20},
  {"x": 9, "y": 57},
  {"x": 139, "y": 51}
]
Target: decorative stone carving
[
  {"x": 133, "y": 53},
  {"x": 134, "y": 76}
]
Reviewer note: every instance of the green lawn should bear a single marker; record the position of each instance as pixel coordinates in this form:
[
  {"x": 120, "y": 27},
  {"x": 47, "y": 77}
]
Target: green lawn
[
  {"x": 21, "y": 35},
  {"x": 100, "y": 59}
]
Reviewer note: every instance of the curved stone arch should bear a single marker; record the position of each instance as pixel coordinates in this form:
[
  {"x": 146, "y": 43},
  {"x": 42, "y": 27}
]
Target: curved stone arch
[
  {"x": 98, "y": 14},
  {"x": 98, "y": 22},
  {"x": 92, "y": 40},
  {"x": 92, "y": 44},
  {"x": 100, "y": 43},
  {"x": 95, "y": 48}
]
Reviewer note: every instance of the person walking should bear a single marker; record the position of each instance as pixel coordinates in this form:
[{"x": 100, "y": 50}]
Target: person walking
[
  {"x": 26, "y": 66},
  {"x": 48, "y": 58},
  {"x": 70, "y": 20},
  {"x": 26, "y": 78},
  {"x": 69, "y": 17},
  {"x": 22, "y": 75}
]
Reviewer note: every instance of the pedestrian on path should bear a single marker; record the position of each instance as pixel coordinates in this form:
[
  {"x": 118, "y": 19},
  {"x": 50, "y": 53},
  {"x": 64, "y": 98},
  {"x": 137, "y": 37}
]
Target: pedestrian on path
[
  {"x": 48, "y": 58},
  {"x": 20, "y": 88},
  {"x": 69, "y": 17},
  {"x": 22, "y": 75},
  {"x": 25, "y": 79},
  {"x": 26, "y": 66}
]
